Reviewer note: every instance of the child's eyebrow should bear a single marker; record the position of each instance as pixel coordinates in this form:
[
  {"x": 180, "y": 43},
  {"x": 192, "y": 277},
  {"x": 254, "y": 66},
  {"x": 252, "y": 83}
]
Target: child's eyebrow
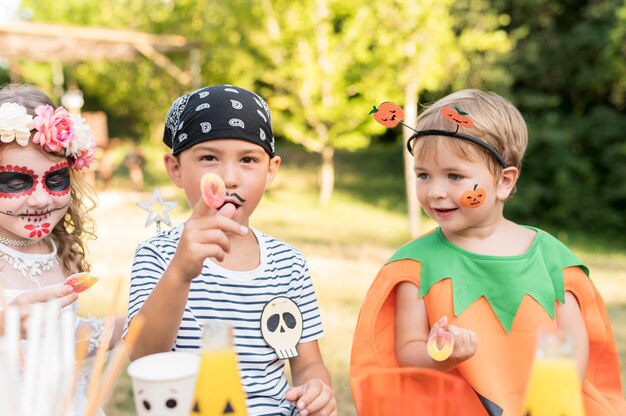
[
  {"x": 204, "y": 148},
  {"x": 447, "y": 169},
  {"x": 253, "y": 151},
  {"x": 417, "y": 167}
]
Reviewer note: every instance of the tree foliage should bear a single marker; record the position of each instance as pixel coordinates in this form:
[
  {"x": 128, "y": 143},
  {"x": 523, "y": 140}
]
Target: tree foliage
[
  {"x": 569, "y": 72},
  {"x": 137, "y": 94},
  {"x": 322, "y": 64}
]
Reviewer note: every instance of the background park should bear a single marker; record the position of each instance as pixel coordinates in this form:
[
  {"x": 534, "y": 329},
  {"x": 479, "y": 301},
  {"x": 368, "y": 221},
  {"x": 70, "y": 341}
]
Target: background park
[{"x": 340, "y": 195}]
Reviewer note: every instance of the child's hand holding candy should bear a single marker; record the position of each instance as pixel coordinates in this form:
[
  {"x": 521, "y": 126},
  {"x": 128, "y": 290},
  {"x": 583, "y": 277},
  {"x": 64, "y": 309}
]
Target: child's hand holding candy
[
  {"x": 206, "y": 233},
  {"x": 450, "y": 343}
]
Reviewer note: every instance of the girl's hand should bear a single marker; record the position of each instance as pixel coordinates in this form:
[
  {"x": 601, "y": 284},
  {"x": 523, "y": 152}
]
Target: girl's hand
[
  {"x": 205, "y": 235},
  {"x": 465, "y": 340},
  {"x": 313, "y": 398},
  {"x": 23, "y": 301}
]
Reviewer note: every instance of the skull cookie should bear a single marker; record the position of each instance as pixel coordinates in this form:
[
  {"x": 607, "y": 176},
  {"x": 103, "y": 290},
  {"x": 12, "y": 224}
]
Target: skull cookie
[{"x": 281, "y": 326}]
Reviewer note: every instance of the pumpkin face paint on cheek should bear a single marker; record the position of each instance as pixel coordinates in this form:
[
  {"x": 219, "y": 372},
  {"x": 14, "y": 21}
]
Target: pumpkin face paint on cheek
[{"x": 473, "y": 198}]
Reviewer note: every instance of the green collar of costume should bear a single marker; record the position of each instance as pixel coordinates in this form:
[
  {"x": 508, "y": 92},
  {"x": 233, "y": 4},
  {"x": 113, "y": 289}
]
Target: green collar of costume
[{"x": 502, "y": 280}]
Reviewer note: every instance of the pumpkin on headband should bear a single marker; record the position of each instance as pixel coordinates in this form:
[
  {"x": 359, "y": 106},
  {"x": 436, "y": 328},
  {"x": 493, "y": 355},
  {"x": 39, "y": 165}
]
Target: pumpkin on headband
[
  {"x": 388, "y": 114},
  {"x": 457, "y": 116}
]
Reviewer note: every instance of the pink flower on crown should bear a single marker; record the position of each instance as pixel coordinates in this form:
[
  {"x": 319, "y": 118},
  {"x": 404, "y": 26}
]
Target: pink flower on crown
[
  {"x": 85, "y": 158},
  {"x": 54, "y": 128}
]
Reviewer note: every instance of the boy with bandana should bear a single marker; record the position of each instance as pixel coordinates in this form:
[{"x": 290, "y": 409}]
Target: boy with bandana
[
  {"x": 214, "y": 267},
  {"x": 471, "y": 297}
]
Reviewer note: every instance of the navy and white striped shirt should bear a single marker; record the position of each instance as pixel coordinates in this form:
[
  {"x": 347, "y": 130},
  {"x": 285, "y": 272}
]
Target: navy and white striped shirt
[{"x": 236, "y": 298}]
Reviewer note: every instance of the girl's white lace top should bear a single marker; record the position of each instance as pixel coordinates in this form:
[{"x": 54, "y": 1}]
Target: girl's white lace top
[
  {"x": 28, "y": 264},
  {"x": 21, "y": 272}
]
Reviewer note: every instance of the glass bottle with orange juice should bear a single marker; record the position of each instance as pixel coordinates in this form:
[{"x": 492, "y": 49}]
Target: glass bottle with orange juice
[
  {"x": 554, "y": 386},
  {"x": 218, "y": 387}
]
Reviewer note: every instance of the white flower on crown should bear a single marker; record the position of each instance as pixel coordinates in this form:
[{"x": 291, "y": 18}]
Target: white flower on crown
[
  {"x": 15, "y": 123},
  {"x": 83, "y": 139}
]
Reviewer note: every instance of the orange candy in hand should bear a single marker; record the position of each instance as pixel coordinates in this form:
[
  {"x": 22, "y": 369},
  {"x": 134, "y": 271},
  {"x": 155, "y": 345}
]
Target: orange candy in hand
[
  {"x": 443, "y": 353},
  {"x": 81, "y": 281},
  {"x": 213, "y": 190}
]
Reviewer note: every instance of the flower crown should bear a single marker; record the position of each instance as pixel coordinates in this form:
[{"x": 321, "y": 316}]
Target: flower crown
[{"x": 55, "y": 130}]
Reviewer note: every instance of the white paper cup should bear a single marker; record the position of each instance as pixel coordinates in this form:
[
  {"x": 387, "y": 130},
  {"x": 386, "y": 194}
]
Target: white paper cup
[{"x": 164, "y": 383}]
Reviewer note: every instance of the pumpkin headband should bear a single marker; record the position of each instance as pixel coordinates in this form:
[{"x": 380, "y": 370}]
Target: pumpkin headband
[
  {"x": 390, "y": 115},
  {"x": 54, "y": 130}
]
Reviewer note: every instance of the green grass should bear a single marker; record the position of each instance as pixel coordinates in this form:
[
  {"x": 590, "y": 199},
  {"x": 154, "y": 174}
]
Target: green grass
[
  {"x": 617, "y": 314},
  {"x": 345, "y": 242}
]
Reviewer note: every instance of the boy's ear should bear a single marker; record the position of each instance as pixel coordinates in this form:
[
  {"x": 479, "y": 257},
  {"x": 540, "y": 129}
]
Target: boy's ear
[
  {"x": 508, "y": 179},
  {"x": 172, "y": 166},
  {"x": 272, "y": 170}
]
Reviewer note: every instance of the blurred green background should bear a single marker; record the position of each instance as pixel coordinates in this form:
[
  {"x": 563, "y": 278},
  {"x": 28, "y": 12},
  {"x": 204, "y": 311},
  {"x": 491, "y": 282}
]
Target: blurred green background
[{"x": 321, "y": 65}]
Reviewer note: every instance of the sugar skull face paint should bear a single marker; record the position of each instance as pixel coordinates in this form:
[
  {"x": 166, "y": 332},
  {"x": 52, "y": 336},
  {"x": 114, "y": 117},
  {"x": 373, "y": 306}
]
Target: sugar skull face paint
[
  {"x": 34, "y": 191},
  {"x": 18, "y": 181},
  {"x": 56, "y": 180}
]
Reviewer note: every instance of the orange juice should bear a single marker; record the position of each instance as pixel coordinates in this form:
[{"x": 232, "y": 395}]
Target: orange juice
[
  {"x": 218, "y": 387},
  {"x": 554, "y": 388}
]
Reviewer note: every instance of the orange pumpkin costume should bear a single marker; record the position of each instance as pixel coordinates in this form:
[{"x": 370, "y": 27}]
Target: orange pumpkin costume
[{"x": 505, "y": 307}]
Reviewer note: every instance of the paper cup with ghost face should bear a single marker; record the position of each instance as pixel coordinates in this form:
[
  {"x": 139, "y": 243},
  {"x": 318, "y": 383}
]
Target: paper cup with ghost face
[{"x": 164, "y": 383}]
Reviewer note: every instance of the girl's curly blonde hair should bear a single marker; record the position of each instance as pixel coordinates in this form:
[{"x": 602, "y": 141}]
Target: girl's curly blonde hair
[{"x": 77, "y": 225}]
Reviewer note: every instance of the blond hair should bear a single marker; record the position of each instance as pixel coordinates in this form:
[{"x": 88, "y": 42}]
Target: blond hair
[
  {"x": 77, "y": 225},
  {"x": 496, "y": 122}
]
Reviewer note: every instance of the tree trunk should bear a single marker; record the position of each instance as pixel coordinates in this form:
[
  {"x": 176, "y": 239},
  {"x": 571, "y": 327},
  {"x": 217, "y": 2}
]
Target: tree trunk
[
  {"x": 327, "y": 175},
  {"x": 413, "y": 208}
]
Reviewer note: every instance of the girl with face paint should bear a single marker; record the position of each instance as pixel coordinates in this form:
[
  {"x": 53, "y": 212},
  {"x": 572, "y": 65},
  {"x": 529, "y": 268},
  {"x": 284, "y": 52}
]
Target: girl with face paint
[
  {"x": 43, "y": 205},
  {"x": 470, "y": 297}
]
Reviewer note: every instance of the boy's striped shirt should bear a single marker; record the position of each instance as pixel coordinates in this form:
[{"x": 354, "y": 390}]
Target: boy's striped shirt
[{"x": 236, "y": 298}]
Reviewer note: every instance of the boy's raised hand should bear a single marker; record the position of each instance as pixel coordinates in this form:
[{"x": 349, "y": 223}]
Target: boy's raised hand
[
  {"x": 313, "y": 398},
  {"x": 205, "y": 235}
]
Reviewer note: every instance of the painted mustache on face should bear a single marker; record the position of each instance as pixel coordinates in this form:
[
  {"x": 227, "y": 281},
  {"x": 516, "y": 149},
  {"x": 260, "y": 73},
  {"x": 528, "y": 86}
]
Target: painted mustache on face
[{"x": 236, "y": 196}]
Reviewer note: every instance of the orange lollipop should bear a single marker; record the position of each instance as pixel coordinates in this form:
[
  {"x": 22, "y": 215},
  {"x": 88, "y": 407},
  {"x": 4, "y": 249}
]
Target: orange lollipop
[
  {"x": 213, "y": 190},
  {"x": 443, "y": 353},
  {"x": 81, "y": 281}
]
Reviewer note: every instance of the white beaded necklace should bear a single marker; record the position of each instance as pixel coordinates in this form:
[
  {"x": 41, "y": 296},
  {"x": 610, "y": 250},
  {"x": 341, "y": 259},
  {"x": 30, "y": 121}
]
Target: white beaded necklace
[
  {"x": 17, "y": 243},
  {"x": 31, "y": 265}
]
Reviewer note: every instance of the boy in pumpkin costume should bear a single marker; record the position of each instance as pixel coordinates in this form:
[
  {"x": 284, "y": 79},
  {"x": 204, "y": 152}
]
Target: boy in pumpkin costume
[{"x": 487, "y": 282}]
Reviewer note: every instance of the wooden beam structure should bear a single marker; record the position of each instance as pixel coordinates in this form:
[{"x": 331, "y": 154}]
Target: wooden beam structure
[{"x": 42, "y": 42}]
